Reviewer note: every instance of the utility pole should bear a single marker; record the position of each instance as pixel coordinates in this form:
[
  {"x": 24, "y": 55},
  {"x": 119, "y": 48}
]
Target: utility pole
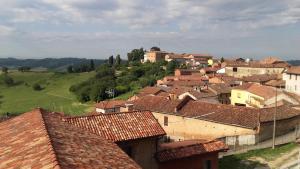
[{"x": 274, "y": 118}]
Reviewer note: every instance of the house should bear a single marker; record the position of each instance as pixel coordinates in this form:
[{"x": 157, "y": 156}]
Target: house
[
  {"x": 260, "y": 79},
  {"x": 249, "y": 68},
  {"x": 155, "y": 56},
  {"x": 256, "y": 95},
  {"x": 155, "y": 91},
  {"x": 280, "y": 84},
  {"x": 41, "y": 139},
  {"x": 200, "y": 60},
  {"x": 222, "y": 91},
  {"x": 182, "y": 72},
  {"x": 209, "y": 70},
  {"x": 180, "y": 92},
  {"x": 136, "y": 133},
  {"x": 227, "y": 80},
  {"x": 180, "y": 58},
  {"x": 109, "y": 106},
  {"x": 188, "y": 119},
  {"x": 195, "y": 154},
  {"x": 221, "y": 70},
  {"x": 292, "y": 79}
]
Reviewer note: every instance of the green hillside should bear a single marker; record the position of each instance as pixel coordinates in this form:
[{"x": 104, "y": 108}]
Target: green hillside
[{"x": 55, "y": 94}]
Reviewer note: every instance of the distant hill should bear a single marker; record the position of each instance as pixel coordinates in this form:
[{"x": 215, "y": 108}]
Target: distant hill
[
  {"x": 294, "y": 62},
  {"x": 58, "y": 64}
]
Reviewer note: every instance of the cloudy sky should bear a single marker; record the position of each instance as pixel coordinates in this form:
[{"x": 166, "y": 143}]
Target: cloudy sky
[{"x": 99, "y": 28}]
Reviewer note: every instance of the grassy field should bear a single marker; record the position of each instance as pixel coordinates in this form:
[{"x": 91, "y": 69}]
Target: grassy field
[
  {"x": 246, "y": 160},
  {"x": 55, "y": 96}
]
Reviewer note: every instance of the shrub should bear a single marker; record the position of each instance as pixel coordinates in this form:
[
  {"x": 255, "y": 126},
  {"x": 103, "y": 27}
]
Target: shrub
[
  {"x": 37, "y": 87},
  {"x": 8, "y": 81}
]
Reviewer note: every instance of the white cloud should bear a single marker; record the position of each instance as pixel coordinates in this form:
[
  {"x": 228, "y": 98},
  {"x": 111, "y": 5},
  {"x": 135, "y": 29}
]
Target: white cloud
[{"x": 6, "y": 30}]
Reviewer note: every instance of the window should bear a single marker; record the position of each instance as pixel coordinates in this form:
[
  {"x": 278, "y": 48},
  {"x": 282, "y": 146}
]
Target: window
[
  {"x": 166, "y": 120},
  {"x": 295, "y": 88},
  {"x": 296, "y": 76},
  {"x": 234, "y": 69},
  {"x": 290, "y": 76},
  {"x": 207, "y": 164},
  {"x": 239, "y": 95}
]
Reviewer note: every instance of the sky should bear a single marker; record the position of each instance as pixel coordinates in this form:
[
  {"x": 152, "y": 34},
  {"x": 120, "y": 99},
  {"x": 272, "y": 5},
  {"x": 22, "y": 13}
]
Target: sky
[{"x": 100, "y": 28}]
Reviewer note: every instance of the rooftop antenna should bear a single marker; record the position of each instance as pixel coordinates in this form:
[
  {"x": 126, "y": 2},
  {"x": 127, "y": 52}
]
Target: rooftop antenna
[{"x": 110, "y": 92}]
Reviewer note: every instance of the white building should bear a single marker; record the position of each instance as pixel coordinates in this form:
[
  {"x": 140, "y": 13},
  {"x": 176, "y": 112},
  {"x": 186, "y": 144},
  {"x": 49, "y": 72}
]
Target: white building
[{"x": 292, "y": 79}]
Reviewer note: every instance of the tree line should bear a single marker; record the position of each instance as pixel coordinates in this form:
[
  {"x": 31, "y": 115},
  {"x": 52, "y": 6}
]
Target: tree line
[{"x": 121, "y": 77}]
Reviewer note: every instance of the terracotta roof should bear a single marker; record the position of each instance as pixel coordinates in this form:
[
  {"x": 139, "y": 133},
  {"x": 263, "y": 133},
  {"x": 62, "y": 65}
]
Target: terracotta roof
[
  {"x": 155, "y": 103},
  {"x": 109, "y": 104},
  {"x": 178, "y": 90},
  {"x": 219, "y": 88},
  {"x": 176, "y": 56},
  {"x": 260, "y": 78},
  {"x": 39, "y": 139},
  {"x": 219, "y": 113},
  {"x": 266, "y": 92},
  {"x": 257, "y": 64},
  {"x": 294, "y": 70},
  {"x": 276, "y": 83},
  {"x": 202, "y": 94},
  {"x": 185, "y": 83},
  {"x": 270, "y": 60},
  {"x": 225, "y": 114},
  {"x": 120, "y": 126},
  {"x": 234, "y": 115},
  {"x": 201, "y": 55},
  {"x": 188, "y": 148}
]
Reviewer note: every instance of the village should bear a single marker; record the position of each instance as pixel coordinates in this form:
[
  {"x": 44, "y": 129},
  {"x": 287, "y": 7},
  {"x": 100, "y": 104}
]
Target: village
[{"x": 210, "y": 108}]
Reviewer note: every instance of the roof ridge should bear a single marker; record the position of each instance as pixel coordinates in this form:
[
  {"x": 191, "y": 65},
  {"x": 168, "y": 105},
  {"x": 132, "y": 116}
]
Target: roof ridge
[
  {"x": 105, "y": 114},
  {"x": 49, "y": 140}
]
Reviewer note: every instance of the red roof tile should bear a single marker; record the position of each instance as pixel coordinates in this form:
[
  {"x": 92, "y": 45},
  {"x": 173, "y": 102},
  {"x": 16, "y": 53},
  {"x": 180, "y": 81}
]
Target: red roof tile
[
  {"x": 294, "y": 70},
  {"x": 184, "y": 149},
  {"x": 109, "y": 104},
  {"x": 39, "y": 139},
  {"x": 219, "y": 113},
  {"x": 120, "y": 126},
  {"x": 260, "y": 78}
]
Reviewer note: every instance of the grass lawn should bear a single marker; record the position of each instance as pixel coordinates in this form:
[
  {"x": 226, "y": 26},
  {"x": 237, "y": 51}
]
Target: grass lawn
[
  {"x": 55, "y": 96},
  {"x": 242, "y": 161}
]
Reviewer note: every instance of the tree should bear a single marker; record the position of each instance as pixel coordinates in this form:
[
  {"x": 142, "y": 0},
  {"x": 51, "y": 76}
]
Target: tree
[
  {"x": 111, "y": 60},
  {"x": 24, "y": 69},
  {"x": 9, "y": 81},
  {"x": 118, "y": 60},
  {"x": 222, "y": 60},
  {"x": 171, "y": 66},
  {"x": 155, "y": 48},
  {"x": 136, "y": 55},
  {"x": 92, "y": 65},
  {"x": 4, "y": 69},
  {"x": 70, "y": 69}
]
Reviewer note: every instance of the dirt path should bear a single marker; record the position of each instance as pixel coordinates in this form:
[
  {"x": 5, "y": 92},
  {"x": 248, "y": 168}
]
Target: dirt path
[
  {"x": 280, "y": 161},
  {"x": 285, "y": 158}
]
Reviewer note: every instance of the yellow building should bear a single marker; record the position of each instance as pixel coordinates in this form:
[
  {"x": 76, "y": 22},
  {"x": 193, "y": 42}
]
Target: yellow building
[{"x": 258, "y": 96}]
